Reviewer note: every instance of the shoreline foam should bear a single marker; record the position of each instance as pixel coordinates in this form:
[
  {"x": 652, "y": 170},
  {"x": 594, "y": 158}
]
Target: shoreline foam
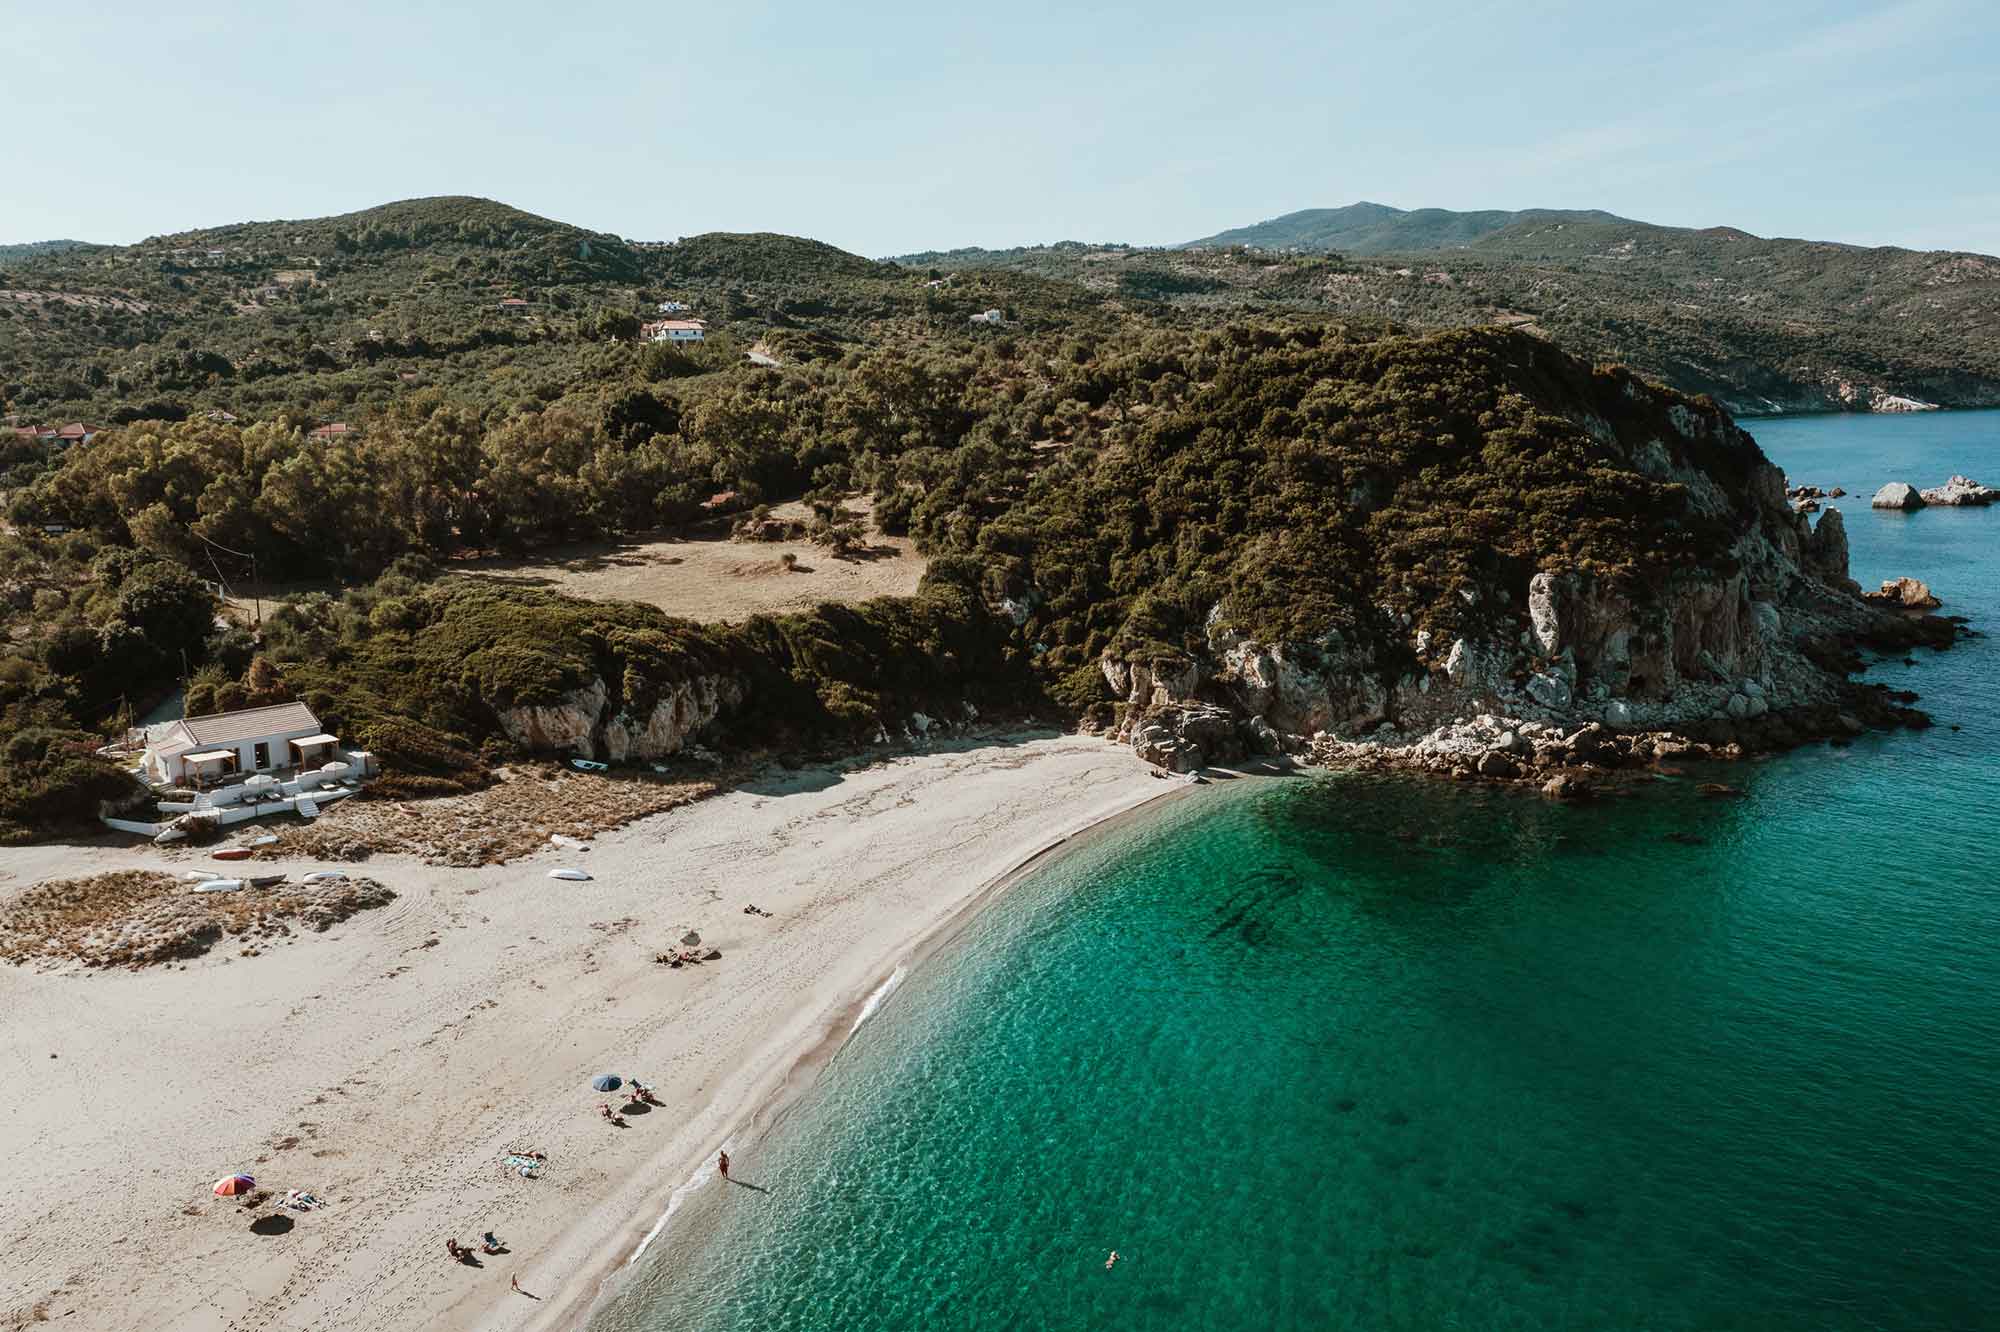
[
  {"x": 388, "y": 1063},
  {"x": 760, "y": 1115}
]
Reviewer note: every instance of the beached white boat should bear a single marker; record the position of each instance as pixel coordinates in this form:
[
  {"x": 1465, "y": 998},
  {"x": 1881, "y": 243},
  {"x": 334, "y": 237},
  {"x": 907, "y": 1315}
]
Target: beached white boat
[
  {"x": 573, "y": 875},
  {"x": 589, "y": 765},
  {"x": 217, "y": 886}
]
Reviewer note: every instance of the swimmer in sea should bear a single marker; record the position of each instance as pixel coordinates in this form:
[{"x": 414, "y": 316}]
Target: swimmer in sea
[{"x": 1108, "y": 1262}]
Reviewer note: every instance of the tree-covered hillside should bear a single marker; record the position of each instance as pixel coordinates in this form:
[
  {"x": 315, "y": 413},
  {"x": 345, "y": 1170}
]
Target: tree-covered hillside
[
  {"x": 14, "y": 254},
  {"x": 339, "y": 317}
]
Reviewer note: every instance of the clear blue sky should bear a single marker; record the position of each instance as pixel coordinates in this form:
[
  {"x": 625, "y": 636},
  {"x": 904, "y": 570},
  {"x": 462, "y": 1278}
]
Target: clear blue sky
[{"x": 896, "y": 127}]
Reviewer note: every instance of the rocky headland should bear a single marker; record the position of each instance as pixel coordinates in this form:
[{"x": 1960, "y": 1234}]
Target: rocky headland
[{"x": 1554, "y": 673}]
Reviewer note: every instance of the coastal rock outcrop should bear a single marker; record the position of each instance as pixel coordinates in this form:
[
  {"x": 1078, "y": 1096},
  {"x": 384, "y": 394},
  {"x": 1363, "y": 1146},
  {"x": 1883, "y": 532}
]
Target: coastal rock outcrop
[
  {"x": 585, "y": 722},
  {"x": 1897, "y": 495},
  {"x": 1587, "y": 574},
  {"x": 1188, "y": 738},
  {"x": 1905, "y": 594},
  {"x": 1960, "y": 491}
]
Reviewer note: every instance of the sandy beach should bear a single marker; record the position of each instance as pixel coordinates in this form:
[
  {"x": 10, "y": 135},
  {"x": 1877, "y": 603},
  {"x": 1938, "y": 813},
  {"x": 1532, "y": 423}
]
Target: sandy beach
[{"x": 388, "y": 1064}]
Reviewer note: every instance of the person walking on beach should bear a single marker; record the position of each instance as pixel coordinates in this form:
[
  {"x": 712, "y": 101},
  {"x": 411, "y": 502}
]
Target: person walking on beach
[{"x": 722, "y": 1164}]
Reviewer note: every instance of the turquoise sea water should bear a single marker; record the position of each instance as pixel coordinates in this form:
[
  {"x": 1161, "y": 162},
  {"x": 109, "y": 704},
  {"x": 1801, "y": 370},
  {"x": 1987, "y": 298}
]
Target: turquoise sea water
[{"x": 1355, "y": 1053}]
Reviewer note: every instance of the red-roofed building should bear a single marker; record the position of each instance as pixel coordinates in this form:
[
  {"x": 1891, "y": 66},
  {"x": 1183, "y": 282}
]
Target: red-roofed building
[
  {"x": 674, "y": 330},
  {"x": 76, "y": 432},
  {"x": 337, "y": 430},
  {"x": 513, "y": 305}
]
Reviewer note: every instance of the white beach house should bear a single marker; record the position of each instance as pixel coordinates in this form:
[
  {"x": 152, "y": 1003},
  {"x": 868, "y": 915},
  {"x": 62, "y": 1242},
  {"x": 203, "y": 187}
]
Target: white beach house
[{"x": 226, "y": 746}]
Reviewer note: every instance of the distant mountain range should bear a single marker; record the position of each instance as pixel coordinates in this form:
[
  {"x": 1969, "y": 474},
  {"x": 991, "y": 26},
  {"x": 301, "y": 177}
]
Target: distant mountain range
[
  {"x": 1372, "y": 228},
  {"x": 1763, "y": 325}
]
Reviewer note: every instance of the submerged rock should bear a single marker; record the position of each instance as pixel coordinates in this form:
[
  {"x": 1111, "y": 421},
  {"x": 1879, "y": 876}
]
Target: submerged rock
[{"x": 1563, "y": 786}]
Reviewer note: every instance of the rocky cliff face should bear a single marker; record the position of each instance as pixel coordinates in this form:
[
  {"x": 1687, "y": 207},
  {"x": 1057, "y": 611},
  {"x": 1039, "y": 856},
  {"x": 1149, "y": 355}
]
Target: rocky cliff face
[
  {"x": 1752, "y": 649},
  {"x": 585, "y": 722}
]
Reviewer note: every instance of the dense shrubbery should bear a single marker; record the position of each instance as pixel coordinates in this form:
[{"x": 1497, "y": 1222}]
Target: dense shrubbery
[
  {"x": 49, "y": 776},
  {"x": 1307, "y": 482},
  {"x": 419, "y": 669}
]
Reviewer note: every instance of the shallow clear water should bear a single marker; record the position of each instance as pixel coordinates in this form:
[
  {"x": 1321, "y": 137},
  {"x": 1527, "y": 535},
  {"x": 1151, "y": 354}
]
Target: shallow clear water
[{"x": 1354, "y": 1053}]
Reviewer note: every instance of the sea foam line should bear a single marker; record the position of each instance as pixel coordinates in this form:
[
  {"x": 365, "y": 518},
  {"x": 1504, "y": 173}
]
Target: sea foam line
[
  {"x": 874, "y": 1001},
  {"x": 680, "y": 1195}
]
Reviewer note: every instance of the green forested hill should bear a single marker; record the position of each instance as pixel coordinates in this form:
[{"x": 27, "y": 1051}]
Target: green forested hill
[{"x": 340, "y": 317}]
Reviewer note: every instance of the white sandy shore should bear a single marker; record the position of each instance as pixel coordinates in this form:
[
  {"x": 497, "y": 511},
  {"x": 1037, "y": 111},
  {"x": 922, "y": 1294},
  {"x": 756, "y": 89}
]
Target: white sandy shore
[{"x": 388, "y": 1064}]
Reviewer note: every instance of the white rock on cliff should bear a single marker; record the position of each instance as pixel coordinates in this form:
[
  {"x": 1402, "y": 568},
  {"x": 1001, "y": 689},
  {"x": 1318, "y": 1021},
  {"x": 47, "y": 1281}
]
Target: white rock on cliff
[{"x": 568, "y": 724}]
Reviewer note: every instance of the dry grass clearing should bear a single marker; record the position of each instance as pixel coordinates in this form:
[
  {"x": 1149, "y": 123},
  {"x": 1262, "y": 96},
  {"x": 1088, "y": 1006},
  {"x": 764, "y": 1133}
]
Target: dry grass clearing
[
  {"x": 512, "y": 818},
  {"x": 138, "y": 918},
  {"x": 713, "y": 579}
]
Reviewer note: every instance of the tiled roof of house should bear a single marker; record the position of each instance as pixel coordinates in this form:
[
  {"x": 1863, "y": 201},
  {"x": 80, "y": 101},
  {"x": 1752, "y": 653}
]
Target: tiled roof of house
[{"x": 227, "y": 728}]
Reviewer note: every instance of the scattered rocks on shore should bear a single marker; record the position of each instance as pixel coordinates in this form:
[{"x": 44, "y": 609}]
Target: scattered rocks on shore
[{"x": 1897, "y": 495}]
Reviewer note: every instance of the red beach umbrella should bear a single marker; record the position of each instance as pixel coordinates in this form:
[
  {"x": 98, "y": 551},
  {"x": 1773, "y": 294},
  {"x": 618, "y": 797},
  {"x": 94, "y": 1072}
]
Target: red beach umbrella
[{"x": 230, "y": 1186}]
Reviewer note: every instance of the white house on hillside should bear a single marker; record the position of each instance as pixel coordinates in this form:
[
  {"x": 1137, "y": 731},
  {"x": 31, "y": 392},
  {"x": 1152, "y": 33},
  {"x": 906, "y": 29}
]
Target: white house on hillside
[
  {"x": 986, "y": 317},
  {"x": 675, "y": 330},
  {"x": 673, "y": 307}
]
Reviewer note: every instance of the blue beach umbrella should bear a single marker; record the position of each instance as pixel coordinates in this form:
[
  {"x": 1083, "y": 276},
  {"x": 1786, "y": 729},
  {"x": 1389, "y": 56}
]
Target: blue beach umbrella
[{"x": 607, "y": 1082}]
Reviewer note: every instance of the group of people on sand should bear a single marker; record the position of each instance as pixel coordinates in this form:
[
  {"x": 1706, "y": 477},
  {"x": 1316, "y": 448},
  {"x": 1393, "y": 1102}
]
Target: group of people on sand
[
  {"x": 637, "y": 1092},
  {"x": 684, "y": 957},
  {"x": 489, "y": 1244}
]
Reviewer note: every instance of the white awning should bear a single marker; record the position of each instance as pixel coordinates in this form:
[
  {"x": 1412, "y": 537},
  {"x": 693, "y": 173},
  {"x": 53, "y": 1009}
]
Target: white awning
[
  {"x": 210, "y": 756},
  {"x": 317, "y": 740}
]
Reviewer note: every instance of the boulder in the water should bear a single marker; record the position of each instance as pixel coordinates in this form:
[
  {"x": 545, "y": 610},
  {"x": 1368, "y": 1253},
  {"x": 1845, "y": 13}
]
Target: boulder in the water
[
  {"x": 1897, "y": 495},
  {"x": 1904, "y": 594},
  {"x": 1960, "y": 490}
]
